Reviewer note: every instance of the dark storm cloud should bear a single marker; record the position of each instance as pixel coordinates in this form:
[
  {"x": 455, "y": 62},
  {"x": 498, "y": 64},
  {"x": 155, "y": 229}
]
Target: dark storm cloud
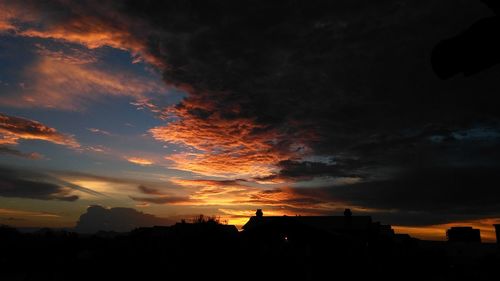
[
  {"x": 423, "y": 195},
  {"x": 307, "y": 170},
  {"x": 341, "y": 71},
  {"x": 116, "y": 219},
  {"x": 31, "y": 185},
  {"x": 350, "y": 78},
  {"x": 22, "y": 183},
  {"x": 472, "y": 50}
]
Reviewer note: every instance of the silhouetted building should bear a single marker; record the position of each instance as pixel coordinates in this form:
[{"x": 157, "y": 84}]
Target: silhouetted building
[
  {"x": 347, "y": 225},
  {"x": 463, "y": 234},
  {"x": 347, "y": 213},
  {"x": 497, "y": 231}
]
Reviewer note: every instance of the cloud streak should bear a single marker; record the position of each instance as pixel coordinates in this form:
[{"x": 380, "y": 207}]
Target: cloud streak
[
  {"x": 11, "y": 151},
  {"x": 65, "y": 86},
  {"x": 140, "y": 161},
  {"x": 13, "y": 129},
  {"x": 33, "y": 185}
]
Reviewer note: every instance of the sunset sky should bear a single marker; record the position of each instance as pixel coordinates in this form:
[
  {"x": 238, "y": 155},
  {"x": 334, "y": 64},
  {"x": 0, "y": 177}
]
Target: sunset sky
[{"x": 179, "y": 108}]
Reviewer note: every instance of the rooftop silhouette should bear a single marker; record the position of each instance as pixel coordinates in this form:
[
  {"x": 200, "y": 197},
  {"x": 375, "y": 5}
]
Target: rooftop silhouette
[{"x": 268, "y": 248}]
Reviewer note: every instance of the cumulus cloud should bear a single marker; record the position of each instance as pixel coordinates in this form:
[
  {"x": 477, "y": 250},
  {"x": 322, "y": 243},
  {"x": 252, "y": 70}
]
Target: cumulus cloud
[
  {"x": 14, "y": 129},
  {"x": 98, "y": 218}
]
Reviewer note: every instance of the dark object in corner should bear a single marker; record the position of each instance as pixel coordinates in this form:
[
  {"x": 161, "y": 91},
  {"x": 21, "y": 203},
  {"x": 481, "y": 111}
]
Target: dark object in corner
[{"x": 471, "y": 51}]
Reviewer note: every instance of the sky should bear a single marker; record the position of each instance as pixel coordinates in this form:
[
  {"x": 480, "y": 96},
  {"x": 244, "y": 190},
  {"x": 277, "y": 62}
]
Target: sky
[{"x": 180, "y": 108}]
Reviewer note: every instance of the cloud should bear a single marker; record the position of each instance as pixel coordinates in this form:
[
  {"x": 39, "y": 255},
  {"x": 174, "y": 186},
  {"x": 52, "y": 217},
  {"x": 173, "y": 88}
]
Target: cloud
[
  {"x": 258, "y": 96},
  {"x": 10, "y": 151},
  {"x": 270, "y": 84},
  {"x": 422, "y": 196},
  {"x": 98, "y": 218},
  {"x": 55, "y": 83},
  {"x": 149, "y": 190},
  {"x": 99, "y": 131},
  {"x": 13, "y": 129},
  {"x": 70, "y": 55},
  {"x": 165, "y": 199},
  {"x": 140, "y": 161},
  {"x": 159, "y": 197},
  {"x": 90, "y": 24},
  {"x": 34, "y": 185},
  {"x": 234, "y": 147},
  {"x": 241, "y": 193},
  {"x": 23, "y": 213},
  {"x": 292, "y": 170}
]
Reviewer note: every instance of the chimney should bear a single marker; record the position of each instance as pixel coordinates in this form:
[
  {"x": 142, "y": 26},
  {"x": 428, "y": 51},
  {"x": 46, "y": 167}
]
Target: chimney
[
  {"x": 259, "y": 213},
  {"x": 347, "y": 213}
]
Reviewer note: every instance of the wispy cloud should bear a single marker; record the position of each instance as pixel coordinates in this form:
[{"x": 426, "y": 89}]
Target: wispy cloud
[
  {"x": 25, "y": 183},
  {"x": 23, "y": 213},
  {"x": 11, "y": 151},
  {"x": 13, "y": 129},
  {"x": 84, "y": 25},
  {"x": 60, "y": 85},
  {"x": 68, "y": 55},
  {"x": 99, "y": 131},
  {"x": 140, "y": 161}
]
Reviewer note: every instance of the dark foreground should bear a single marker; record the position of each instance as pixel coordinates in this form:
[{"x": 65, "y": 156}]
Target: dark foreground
[{"x": 214, "y": 252}]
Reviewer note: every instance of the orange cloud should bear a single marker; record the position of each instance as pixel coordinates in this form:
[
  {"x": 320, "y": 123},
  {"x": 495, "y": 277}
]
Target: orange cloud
[
  {"x": 13, "y": 129},
  {"x": 208, "y": 192},
  {"x": 221, "y": 143},
  {"x": 4, "y": 26},
  {"x": 221, "y": 146},
  {"x": 57, "y": 84},
  {"x": 240, "y": 193},
  {"x": 88, "y": 28},
  {"x": 68, "y": 56},
  {"x": 140, "y": 161}
]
